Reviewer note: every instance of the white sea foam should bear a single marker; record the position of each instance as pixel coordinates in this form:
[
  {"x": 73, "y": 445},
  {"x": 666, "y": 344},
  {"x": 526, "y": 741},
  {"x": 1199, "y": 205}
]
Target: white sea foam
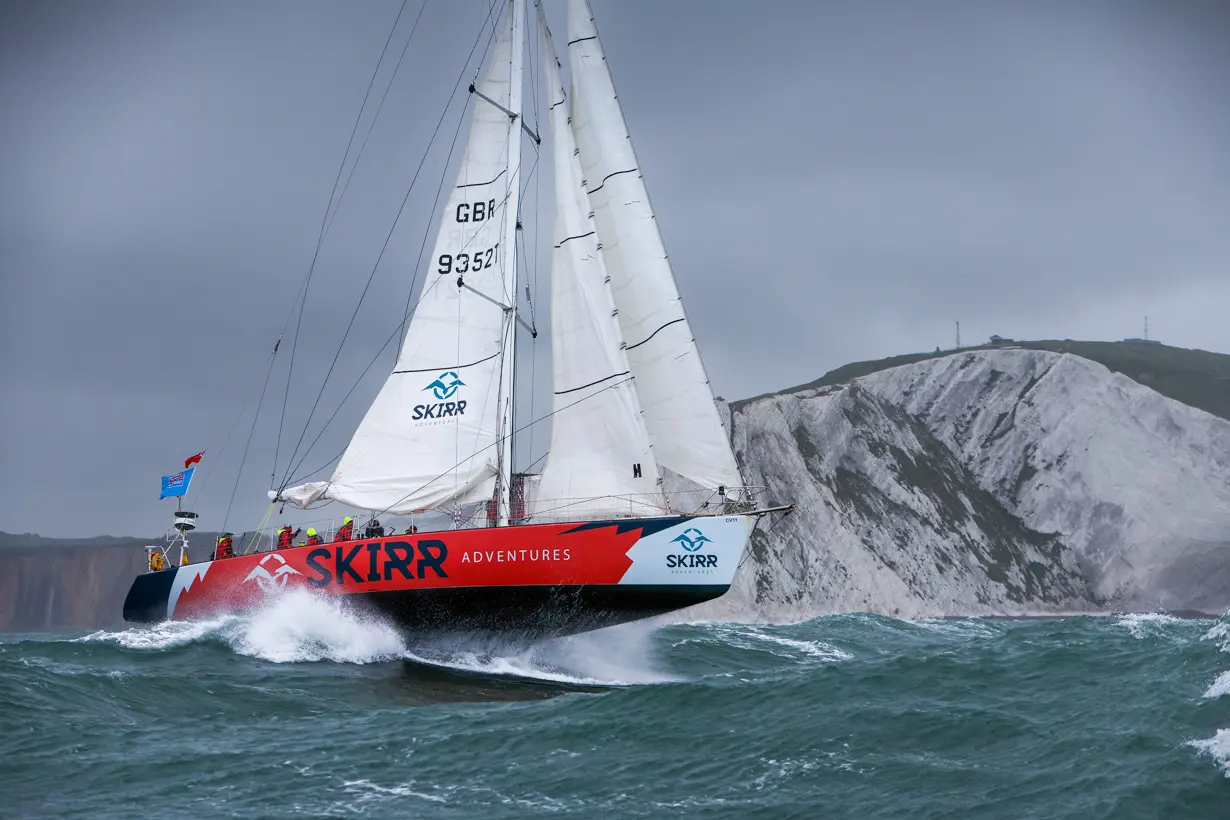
[
  {"x": 301, "y": 627},
  {"x": 1216, "y": 747},
  {"x": 368, "y": 790},
  {"x": 1142, "y": 624},
  {"x": 1220, "y": 687},
  {"x": 758, "y": 639},
  {"x": 813, "y": 649},
  {"x": 295, "y": 626},
  {"x": 298, "y": 626},
  {"x": 1219, "y": 632},
  {"x": 618, "y": 656},
  {"x": 164, "y": 635},
  {"x": 966, "y": 627}
]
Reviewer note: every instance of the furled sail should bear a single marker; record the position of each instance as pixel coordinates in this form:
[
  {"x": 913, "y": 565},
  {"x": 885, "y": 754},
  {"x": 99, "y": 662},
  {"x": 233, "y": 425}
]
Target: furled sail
[
  {"x": 600, "y": 462},
  {"x": 680, "y": 413},
  {"x": 432, "y": 436}
]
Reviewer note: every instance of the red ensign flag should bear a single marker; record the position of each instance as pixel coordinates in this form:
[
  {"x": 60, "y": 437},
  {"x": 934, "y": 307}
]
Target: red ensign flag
[{"x": 190, "y": 460}]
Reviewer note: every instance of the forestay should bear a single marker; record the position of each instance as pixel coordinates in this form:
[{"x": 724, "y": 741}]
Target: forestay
[
  {"x": 680, "y": 414},
  {"x": 600, "y": 462},
  {"x": 431, "y": 437}
]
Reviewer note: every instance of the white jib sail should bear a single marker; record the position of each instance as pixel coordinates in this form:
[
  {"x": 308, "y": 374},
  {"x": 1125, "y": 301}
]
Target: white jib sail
[
  {"x": 431, "y": 437},
  {"x": 680, "y": 412},
  {"x": 600, "y": 461}
]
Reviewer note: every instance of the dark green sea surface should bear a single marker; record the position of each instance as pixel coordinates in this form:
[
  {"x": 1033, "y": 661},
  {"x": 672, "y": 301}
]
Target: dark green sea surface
[{"x": 305, "y": 710}]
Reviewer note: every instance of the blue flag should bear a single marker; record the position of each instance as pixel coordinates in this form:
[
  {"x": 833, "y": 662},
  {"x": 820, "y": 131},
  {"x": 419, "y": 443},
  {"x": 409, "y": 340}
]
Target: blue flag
[{"x": 176, "y": 485}]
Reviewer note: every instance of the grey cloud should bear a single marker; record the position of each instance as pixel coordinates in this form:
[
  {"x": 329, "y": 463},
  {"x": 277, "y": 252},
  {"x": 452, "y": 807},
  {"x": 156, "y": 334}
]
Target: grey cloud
[{"x": 835, "y": 181}]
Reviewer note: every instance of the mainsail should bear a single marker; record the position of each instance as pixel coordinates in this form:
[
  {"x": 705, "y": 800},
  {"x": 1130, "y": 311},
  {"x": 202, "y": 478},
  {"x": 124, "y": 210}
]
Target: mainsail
[
  {"x": 435, "y": 433},
  {"x": 632, "y": 401},
  {"x": 680, "y": 413},
  {"x": 600, "y": 461}
]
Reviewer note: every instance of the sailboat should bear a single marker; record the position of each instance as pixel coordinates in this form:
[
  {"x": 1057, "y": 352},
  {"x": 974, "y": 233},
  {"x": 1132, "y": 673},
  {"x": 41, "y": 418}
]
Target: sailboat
[{"x": 639, "y": 509}]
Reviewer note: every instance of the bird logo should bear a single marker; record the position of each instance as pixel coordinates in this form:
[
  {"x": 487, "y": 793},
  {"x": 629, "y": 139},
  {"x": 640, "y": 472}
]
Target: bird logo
[
  {"x": 691, "y": 539},
  {"x": 445, "y": 385}
]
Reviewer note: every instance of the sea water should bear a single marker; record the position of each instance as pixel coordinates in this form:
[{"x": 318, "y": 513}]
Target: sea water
[{"x": 306, "y": 709}]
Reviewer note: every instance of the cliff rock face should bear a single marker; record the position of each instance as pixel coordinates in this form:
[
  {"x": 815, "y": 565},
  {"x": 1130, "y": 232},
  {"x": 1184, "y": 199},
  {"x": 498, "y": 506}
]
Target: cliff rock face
[
  {"x": 989, "y": 482},
  {"x": 48, "y": 583},
  {"x": 984, "y": 482},
  {"x": 65, "y": 587}
]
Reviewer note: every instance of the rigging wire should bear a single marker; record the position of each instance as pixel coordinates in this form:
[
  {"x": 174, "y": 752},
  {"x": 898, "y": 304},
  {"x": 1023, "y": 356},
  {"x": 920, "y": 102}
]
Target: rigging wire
[
  {"x": 235, "y": 424},
  {"x": 200, "y": 493},
  {"x": 383, "y": 249},
  {"x": 536, "y": 462},
  {"x": 298, "y": 478},
  {"x": 372, "y": 124},
  {"x": 321, "y": 237},
  {"x": 342, "y": 403},
  {"x": 406, "y": 314},
  {"x": 255, "y": 417},
  {"x": 430, "y": 224}
]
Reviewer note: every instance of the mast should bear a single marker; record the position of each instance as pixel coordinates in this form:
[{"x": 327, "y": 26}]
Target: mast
[{"x": 512, "y": 215}]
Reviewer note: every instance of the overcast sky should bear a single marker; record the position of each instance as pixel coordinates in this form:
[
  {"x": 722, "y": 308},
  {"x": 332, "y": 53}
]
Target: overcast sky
[{"x": 834, "y": 181}]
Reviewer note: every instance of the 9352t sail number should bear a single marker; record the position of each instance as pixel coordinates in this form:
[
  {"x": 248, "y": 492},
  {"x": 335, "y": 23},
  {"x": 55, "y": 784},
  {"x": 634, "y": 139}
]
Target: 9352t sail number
[{"x": 467, "y": 262}]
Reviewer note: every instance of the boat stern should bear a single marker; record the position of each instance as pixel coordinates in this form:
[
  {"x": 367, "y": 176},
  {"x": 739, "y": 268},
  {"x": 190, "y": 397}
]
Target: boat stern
[{"x": 147, "y": 598}]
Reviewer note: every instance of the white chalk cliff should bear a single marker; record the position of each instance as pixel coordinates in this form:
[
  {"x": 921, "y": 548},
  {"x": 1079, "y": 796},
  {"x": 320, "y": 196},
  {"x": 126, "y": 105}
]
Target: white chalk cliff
[{"x": 984, "y": 482}]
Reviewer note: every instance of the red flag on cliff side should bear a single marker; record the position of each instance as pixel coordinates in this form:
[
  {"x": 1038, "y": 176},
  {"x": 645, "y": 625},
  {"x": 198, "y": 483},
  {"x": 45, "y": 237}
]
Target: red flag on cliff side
[{"x": 190, "y": 460}]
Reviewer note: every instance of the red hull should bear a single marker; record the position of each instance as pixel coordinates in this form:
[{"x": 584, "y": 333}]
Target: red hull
[{"x": 553, "y": 578}]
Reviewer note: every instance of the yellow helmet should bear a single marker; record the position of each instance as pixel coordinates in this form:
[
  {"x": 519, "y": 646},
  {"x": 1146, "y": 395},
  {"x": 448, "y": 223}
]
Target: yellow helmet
[
  {"x": 348, "y": 520},
  {"x": 311, "y": 530}
]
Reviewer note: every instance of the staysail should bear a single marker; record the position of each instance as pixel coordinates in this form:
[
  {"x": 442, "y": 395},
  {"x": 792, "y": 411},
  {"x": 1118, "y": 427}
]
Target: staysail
[
  {"x": 680, "y": 413},
  {"x": 434, "y": 434},
  {"x": 600, "y": 462}
]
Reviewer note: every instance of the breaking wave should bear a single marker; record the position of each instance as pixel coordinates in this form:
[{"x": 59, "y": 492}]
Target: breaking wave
[
  {"x": 617, "y": 656},
  {"x": 1146, "y": 624},
  {"x": 165, "y": 635},
  {"x": 1216, "y": 747},
  {"x": 299, "y": 627},
  {"x": 296, "y": 627}
]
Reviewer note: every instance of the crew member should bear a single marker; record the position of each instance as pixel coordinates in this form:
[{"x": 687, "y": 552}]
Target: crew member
[
  {"x": 313, "y": 538},
  {"x": 225, "y": 547},
  {"x": 410, "y": 530},
  {"x": 156, "y": 562},
  {"x": 286, "y": 536},
  {"x": 374, "y": 530},
  {"x": 346, "y": 531}
]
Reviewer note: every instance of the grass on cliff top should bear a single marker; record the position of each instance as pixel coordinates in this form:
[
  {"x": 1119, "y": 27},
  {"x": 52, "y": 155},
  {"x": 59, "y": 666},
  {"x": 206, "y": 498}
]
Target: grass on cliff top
[{"x": 1195, "y": 377}]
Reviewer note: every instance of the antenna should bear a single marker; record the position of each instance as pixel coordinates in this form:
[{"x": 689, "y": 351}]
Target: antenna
[
  {"x": 1146, "y": 328},
  {"x": 958, "y": 335}
]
